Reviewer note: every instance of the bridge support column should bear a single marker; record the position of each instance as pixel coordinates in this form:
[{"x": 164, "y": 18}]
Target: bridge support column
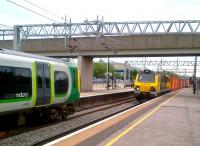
[
  {"x": 16, "y": 38},
  {"x": 86, "y": 71}
]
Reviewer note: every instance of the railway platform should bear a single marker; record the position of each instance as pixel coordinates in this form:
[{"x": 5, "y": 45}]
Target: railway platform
[
  {"x": 97, "y": 92},
  {"x": 172, "y": 119}
]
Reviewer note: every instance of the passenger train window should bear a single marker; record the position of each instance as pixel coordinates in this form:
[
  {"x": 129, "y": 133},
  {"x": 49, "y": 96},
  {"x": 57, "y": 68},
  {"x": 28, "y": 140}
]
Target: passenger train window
[
  {"x": 23, "y": 81},
  {"x": 15, "y": 82},
  {"x": 39, "y": 77},
  {"x": 47, "y": 77},
  {"x": 6, "y": 83},
  {"x": 61, "y": 83}
]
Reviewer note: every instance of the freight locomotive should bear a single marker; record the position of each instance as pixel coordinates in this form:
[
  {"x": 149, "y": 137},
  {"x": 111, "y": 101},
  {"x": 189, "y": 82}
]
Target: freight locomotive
[
  {"x": 35, "y": 84},
  {"x": 151, "y": 84}
]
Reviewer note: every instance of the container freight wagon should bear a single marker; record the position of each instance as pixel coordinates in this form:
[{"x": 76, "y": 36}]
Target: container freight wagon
[
  {"x": 174, "y": 83},
  {"x": 177, "y": 83}
]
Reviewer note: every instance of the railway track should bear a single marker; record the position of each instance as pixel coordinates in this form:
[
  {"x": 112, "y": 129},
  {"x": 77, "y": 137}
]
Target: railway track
[
  {"x": 43, "y": 134},
  {"x": 154, "y": 103},
  {"x": 82, "y": 109}
]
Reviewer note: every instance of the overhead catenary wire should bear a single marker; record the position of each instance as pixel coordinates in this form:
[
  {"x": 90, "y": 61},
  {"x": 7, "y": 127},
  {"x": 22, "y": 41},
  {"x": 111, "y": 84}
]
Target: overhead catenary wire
[
  {"x": 32, "y": 11},
  {"x": 6, "y": 25},
  {"x": 44, "y": 9}
]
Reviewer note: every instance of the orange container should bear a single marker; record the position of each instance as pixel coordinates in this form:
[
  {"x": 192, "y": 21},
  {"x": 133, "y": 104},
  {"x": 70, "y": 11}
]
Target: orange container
[{"x": 175, "y": 84}]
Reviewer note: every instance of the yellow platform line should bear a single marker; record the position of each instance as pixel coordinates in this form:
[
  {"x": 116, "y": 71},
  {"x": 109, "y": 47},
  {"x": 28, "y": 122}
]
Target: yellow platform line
[{"x": 139, "y": 122}]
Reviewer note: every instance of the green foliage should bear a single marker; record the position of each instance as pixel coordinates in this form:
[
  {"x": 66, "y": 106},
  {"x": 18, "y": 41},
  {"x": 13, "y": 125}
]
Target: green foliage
[
  {"x": 165, "y": 72},
  {"x": 100, "y": 68},
  {"x": 133, "y": 74},
  {"x": 118, "y": 75}
]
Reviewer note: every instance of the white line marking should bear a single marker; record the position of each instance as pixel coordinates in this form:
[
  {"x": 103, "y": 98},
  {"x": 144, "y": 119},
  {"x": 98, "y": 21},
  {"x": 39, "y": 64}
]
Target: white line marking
[{"x": 98, "y": 123}]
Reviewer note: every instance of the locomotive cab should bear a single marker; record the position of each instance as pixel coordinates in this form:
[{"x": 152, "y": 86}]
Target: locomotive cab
[{"x": 145, "y": 84}]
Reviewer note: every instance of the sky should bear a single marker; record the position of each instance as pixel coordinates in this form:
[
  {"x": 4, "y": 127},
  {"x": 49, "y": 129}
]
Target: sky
[
  {"x": 185, "y": 70},
  {"x": 108, "y": 10}
]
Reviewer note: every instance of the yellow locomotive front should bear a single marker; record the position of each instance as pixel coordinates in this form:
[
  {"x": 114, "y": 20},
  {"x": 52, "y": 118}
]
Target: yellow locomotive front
[{"x": 146, "y": 83}]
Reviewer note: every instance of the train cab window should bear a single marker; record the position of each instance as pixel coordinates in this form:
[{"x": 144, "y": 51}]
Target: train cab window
[
  {"x": 61, "y": 83},
  {"x": 15, "y": 82},
  {"x": 146, "y": 77}
]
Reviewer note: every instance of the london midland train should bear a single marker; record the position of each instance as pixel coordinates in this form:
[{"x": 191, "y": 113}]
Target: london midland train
[
  {"x": 30, "y": 83},
  {"x": 151, "y": 84}
]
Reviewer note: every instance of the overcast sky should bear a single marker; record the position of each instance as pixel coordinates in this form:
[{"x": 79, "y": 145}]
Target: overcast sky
[{"x": 111, "y": 10}]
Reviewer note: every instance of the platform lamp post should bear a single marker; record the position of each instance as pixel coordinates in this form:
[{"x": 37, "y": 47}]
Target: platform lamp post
[
  {"x": 195, "y": 67},
  {"x": 125, "y": 68},
  {"x": 108, "y": 74},
  {"x": 65, "y": 23},
  {"x": 185, "y": 72},
  {"x": 129, "y": 73},
  {"x": 144, "y": 62},
  {"x": 194, "y": 75}
]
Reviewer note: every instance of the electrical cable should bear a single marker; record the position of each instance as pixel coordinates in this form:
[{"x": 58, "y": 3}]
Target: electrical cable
[
  {"x": 31, "y": 11},
  {"x": 44, "y": 9},
  {"x": 6, "y": 25}
]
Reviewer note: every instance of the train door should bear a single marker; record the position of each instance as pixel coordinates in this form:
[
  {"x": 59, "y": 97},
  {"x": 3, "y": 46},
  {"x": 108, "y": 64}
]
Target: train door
[{"x": 43, "y": 83}]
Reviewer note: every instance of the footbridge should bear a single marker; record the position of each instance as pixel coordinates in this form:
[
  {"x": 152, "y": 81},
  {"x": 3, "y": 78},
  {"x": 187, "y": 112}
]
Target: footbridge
[{"x": 98, "y": 38}]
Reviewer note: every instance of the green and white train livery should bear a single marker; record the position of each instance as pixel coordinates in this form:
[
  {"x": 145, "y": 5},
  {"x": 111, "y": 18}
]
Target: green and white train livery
[{"x": 30, "y": 82}]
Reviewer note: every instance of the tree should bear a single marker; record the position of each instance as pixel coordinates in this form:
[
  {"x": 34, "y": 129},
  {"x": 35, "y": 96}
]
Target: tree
[
  {"x": 165, "y": 72},
  {"x": 118, "y": 75},
  {"x": 100, "y": 68},
  {"x": 133, "y": 74}
]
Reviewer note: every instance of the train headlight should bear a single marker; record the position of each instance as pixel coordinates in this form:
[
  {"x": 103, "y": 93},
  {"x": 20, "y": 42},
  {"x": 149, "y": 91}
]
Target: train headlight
[{"x": 137, "y": 88}]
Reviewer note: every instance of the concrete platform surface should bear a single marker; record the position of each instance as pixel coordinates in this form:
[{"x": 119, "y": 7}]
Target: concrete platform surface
[
  {"x": 104, "y": 92},
  {"x": 176, "y": 123}
]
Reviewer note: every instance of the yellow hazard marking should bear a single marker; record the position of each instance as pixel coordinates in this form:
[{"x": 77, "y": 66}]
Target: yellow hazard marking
[{"x": 139, "y": 122}]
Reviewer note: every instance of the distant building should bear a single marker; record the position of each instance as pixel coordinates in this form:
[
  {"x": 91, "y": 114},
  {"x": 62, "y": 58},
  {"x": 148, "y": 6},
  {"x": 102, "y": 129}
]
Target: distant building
[{"x": 119, "y": 67}]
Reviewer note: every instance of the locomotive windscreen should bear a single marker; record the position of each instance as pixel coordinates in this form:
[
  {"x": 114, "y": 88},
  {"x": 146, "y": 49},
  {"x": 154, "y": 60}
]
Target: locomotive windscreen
[{"x": 146, "y": 77}]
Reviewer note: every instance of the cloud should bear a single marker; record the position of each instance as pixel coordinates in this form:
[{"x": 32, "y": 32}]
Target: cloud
[{"x": 111, "y": 10}]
